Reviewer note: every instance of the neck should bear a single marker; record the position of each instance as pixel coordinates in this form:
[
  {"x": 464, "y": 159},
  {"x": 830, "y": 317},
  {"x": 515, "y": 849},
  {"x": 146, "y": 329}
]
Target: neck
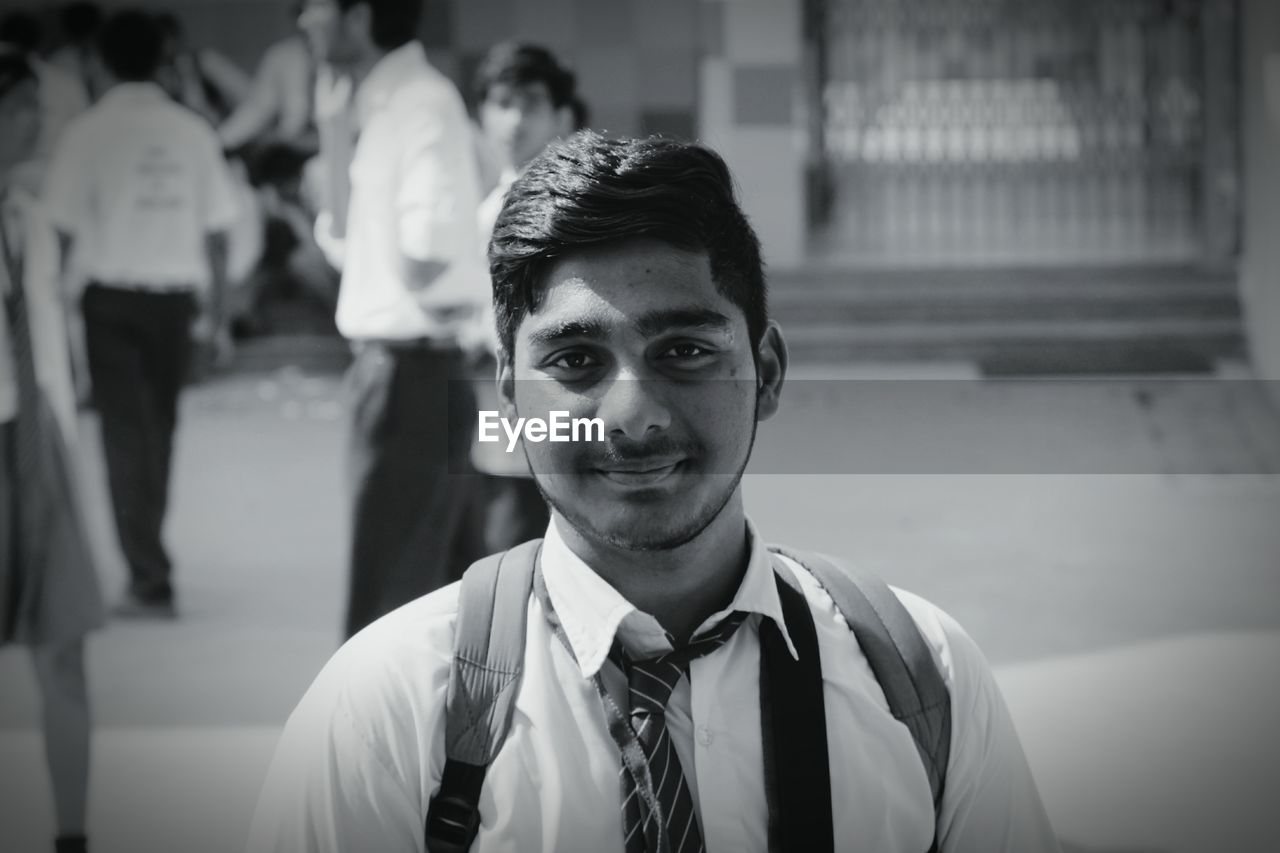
[
  {"x": 680, "y": 587},
  {"x": 360, "y": 69}
]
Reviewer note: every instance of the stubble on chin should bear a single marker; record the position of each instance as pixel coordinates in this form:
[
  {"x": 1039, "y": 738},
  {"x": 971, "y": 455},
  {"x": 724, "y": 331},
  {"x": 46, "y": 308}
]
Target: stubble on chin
[{"x": 632, "y": 536}]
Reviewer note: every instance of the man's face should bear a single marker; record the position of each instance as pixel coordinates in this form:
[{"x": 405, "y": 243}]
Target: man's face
[
  {"x": 329, "y": 31},
  {"x": 19, "y": 123},
  {"x": 520, "y": 121},
  {"x": 637, "y": 335}
]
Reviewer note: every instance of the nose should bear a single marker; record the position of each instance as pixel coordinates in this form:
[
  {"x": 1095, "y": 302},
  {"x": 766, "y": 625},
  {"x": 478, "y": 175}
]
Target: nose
[{"x": 634, "y": 408}]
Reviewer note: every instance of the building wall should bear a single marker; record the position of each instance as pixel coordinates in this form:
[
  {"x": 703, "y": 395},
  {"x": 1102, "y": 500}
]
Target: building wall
[
  {"x": 1260, "y": 261},
  {"x": 750, "y": 82}
]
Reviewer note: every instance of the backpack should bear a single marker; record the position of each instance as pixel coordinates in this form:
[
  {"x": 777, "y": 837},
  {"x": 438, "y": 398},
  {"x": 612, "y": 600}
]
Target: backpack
[{"x": 488, "y": 659}]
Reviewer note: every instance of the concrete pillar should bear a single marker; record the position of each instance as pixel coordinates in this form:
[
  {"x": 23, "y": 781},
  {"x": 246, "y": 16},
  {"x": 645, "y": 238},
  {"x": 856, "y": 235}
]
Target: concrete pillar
[
  {"x": 1260, "y": 259},
  {"x": 750, "y": 109}
]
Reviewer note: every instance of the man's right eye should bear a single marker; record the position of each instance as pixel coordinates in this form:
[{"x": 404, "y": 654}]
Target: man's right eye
[{"x": 573, "y": 361}]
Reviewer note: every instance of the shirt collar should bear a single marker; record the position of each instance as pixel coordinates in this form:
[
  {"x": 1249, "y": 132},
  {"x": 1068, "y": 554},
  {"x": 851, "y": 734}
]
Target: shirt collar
[
  {"x": 144, "y": 91},
  {"x": 386, "y": 76},
  {"x": 593, "y": 613}
]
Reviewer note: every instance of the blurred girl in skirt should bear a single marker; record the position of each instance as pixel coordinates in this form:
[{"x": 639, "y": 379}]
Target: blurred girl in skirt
[{"x": 49, "y": 596}]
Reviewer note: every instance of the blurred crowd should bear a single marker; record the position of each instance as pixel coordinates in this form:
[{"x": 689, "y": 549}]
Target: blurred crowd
[{"x": 157, "y": 199}]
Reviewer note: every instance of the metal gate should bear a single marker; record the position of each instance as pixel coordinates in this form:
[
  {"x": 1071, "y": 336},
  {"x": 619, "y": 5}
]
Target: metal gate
[{"x": 1022, "y": 131}]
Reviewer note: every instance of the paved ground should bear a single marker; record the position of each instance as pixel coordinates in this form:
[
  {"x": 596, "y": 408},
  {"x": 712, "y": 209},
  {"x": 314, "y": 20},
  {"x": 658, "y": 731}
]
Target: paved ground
[{"x": 1112, "y": 546}]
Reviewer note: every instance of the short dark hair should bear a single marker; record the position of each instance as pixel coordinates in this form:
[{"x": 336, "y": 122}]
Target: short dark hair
[
  {"x": 81, "y": 21},
  {"x": 14, "y": 71},
  {"x": 131, "y": 45},
  {"x": 394, "y": 23},
  {"x": 517, "y": 64},
  {"x": 590, "y": 191},
  {"x": 22, "y": 30}
]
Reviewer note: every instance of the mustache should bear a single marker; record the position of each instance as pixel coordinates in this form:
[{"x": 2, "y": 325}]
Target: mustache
[{"x": 622, "y": 451}]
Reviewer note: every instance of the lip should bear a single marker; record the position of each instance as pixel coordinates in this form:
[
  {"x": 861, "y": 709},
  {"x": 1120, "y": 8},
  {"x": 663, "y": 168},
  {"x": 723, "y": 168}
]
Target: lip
[{"x": 648, "y": 473}]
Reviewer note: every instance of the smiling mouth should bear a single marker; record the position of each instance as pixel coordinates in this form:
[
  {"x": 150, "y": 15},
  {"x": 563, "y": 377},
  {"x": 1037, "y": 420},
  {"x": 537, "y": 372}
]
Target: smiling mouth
[{"x": 644, "y": 474}]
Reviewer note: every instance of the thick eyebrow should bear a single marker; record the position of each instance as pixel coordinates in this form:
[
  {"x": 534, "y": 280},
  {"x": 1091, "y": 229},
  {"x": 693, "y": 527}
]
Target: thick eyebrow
[
  {"x": 590, "y": 329},
  {"x": 657, "y": 322}
]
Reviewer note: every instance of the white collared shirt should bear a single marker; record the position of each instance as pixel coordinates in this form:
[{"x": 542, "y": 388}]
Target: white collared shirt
[
  {"x": 139, "y": 182},
  {"x": 363, "y": 752},
  {"x": 414, "y": 193}
]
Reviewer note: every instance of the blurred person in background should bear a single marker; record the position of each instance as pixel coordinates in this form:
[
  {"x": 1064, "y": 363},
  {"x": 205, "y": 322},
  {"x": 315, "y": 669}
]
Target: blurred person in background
[
  {"x": 78, "y": 53},
  {"x": 277, "y": 108},
  {"x": 212, "y": 86},
  {"x": 138, "y": 188},
  {"x": 400, "y": 222},
  {"x": 63, "y": 95},
  {"x": 49, "y": 596},
  {"x": 272, "y": 131},
  {"x": 526, "y": 100},
  {"x": 201, "y": 79}
]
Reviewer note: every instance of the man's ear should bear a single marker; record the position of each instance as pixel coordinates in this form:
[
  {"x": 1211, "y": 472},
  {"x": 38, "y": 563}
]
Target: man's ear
[
  {"x": 506, "y": 380},
  {"x": 771, "y": 371}
]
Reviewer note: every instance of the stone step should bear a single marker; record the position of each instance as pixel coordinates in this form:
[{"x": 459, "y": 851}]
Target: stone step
[
  {"x": 1052, "y": 320},
  {"x": 1032, "y": 347}
]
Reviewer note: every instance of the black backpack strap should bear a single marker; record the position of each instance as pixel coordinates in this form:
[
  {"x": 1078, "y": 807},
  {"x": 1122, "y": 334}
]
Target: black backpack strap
[
  {"x": 899, "y": 657},
  {"x": 488, "y": 659},
  {"x": 793, "y": 722}
]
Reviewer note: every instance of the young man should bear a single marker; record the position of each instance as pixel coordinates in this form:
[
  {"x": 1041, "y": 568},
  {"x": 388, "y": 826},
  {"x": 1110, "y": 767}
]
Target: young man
[
  {"x": 138, "y": 188},
  {"x": 629, "y": 287},
  {"x": 526, "y": 101},
  {"x": 403, "y": 231}
]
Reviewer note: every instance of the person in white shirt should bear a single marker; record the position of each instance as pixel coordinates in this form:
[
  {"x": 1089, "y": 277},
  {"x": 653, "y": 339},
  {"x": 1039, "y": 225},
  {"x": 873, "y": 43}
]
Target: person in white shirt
[
  {"x": 49, "y": 595},
  {"x": 277, "y": 107},
  {"x": 526, "y": 101},
  {"x": 629, "y": 288},
  {"x": 400, "y": 222},
  {"x": 139, "y": 190}
]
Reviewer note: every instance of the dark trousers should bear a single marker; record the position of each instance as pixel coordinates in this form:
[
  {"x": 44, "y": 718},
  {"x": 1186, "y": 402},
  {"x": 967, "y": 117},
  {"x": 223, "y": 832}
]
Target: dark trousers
[
  {"x": 411, "y": 477},
  {"x": 139, "y": 351}
]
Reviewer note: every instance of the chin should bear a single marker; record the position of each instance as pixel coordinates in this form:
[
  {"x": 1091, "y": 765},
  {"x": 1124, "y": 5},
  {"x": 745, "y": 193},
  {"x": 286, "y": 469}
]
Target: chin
[{"x": 640, "y": 527}]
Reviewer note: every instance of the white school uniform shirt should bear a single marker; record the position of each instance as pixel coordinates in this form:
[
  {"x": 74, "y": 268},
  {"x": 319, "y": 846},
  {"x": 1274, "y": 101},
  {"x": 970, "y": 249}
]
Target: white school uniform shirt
[
  {"x": 414, "y": 193},
  {"x": 139, "y": 182},
  {"x": 363, "y": 752}
]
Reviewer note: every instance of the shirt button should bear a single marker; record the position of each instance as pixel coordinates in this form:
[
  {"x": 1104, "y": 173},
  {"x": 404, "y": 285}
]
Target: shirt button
[{"x": 704, "y": 736}]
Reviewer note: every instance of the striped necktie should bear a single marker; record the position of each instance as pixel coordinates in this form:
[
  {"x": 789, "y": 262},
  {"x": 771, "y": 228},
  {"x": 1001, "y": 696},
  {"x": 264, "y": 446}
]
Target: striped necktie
[{"x": 651, "y": 682}]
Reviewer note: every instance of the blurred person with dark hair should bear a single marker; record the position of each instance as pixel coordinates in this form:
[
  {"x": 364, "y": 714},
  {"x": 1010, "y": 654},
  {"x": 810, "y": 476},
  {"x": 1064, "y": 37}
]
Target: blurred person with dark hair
[
  {"x": 63, "y": 95},
  {"x": 671, "y": 682},
  {"x": 400, "y": 222},
  {"x": 49, "y": 596},
  {"x": 78, "y": 53},
  {"x": 138, "y": 188},
  {"x": 526, "y": 99}
]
